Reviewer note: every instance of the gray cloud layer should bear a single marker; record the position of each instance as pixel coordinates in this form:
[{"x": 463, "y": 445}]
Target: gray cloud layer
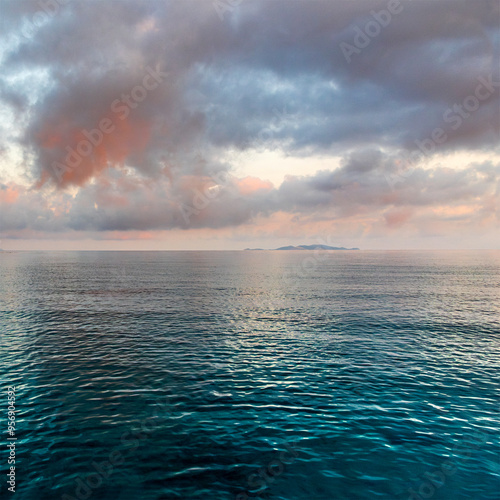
[
  {"x": 359, "y": 187},
  {"x": 269, "y": 74}
]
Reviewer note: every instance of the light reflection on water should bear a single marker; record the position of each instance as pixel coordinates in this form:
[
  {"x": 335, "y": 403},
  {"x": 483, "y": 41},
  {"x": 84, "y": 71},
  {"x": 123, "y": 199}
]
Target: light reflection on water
[{"x": 376, "y": 364}]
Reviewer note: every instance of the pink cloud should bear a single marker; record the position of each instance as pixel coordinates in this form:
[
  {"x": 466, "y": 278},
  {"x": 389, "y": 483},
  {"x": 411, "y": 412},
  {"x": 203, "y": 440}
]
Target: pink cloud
[{"x": 250, "y": 185}]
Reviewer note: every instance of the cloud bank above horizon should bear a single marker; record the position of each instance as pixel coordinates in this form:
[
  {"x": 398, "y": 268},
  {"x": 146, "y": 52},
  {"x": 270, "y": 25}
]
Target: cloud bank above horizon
[{"x": 250, "y": 123}]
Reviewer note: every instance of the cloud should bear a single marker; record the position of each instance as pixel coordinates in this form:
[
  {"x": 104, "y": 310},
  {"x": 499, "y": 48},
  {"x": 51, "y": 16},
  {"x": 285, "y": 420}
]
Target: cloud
[
  {"x": 118, "y": 101},
  {"x": 122, "y": 201}
]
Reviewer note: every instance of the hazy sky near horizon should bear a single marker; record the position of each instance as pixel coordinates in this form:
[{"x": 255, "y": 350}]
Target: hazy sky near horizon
[{"x": 232, "y": 123}]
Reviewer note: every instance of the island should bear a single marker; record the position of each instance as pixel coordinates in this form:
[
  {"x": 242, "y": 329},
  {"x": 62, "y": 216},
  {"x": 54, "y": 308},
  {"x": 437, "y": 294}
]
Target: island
[{"x": 307, "y": 247}]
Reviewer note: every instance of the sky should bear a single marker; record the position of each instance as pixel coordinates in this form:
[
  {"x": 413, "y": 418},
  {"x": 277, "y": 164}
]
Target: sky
[{"x": 226, "y": 124}]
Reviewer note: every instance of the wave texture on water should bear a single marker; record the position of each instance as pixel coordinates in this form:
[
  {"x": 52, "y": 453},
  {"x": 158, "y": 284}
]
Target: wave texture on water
[{"x": 240, "y": 375}]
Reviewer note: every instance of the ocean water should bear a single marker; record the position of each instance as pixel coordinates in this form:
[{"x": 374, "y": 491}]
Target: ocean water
[{"x": 266, "y": 375}]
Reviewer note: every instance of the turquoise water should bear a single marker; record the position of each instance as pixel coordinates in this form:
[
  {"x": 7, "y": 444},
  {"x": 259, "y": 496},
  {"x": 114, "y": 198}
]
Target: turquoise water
[{"x": 266, "y": 375}]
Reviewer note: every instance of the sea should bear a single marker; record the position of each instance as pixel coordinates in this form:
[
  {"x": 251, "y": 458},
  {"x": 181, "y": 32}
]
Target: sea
[{"x": 236, "y": 375}]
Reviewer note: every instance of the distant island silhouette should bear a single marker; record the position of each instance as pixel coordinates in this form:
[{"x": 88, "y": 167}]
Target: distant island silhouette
[{"x": 306, "y": 247}]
